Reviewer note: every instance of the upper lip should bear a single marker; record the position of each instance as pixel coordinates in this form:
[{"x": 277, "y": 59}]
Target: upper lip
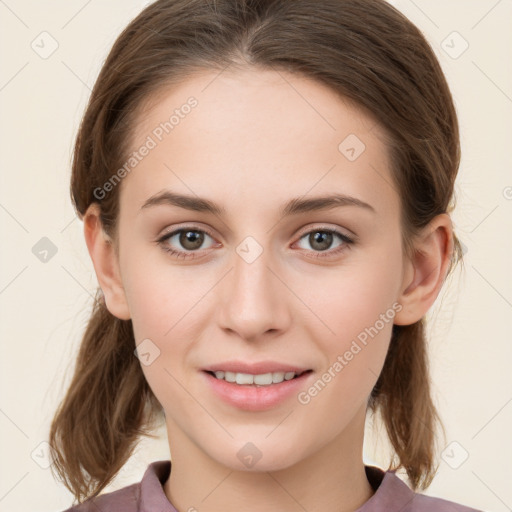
[{"x": 254, "y": 368}]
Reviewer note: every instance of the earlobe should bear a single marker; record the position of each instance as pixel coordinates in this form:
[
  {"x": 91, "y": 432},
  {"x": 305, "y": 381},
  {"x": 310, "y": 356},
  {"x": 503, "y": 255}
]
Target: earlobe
[
  {"x": 106, "y": 264},
  {"x": 426, "y": 270}
]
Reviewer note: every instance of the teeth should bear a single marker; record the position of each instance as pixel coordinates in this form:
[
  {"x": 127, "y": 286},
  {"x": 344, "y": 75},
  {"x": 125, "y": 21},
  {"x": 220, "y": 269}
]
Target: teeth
[{"x": 265, "y": 379}]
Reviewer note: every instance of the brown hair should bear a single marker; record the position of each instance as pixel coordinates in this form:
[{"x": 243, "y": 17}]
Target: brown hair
[{"x": 374, "y": 57}]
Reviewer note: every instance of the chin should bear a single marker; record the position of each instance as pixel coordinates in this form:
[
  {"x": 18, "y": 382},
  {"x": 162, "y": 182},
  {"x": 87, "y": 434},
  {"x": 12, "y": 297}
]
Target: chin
[{"x": 255, "y": 456}]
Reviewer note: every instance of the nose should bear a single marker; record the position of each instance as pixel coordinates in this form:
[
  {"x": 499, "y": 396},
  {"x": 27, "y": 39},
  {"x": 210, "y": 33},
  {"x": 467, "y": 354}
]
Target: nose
[{"x": 254, "y": 300}]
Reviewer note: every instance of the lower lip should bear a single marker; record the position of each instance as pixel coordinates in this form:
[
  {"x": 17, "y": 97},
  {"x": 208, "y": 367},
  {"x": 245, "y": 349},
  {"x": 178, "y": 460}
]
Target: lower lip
[{"x": 252, "y": 398}]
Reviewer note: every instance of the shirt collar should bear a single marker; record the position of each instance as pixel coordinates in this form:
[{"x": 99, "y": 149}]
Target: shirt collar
[{"x": 391, "y": 493}]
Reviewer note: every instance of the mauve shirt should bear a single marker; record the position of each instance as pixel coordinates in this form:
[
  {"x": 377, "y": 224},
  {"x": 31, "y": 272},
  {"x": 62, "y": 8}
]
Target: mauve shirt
[{"x": 391, "y": 494}]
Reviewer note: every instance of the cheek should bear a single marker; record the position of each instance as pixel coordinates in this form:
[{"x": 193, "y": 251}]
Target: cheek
[
  {"x": 361, "y": 320},
  {"x": 354, "y": 310},
  {"x": 345, "y": 302},
  {"x": 159, "y": 294},
  {"x": 161, "y": 301}
]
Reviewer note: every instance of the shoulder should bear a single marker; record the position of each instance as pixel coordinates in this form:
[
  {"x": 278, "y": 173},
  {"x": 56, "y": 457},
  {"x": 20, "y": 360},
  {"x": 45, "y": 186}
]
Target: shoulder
[
  {"x": 144, "y": 495},
  {"x": 423, "y": 503},
  {"x": 125, "y": 499},
  {"x": 392, "y": 493}
]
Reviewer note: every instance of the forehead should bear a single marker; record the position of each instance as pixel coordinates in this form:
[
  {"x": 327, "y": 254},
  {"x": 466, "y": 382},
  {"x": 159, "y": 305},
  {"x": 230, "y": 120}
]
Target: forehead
[
  {"x": 262, "y": 96},
  {"x": 266, "y": 134}
]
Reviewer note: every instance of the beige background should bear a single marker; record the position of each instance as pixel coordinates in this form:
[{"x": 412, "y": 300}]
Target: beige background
[{"x": 44, "y": 306}]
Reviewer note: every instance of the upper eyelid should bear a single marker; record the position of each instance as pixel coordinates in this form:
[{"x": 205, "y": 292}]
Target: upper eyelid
[
  {"x": 325, "y": 227},
  {"x": 191, "y": 227}
]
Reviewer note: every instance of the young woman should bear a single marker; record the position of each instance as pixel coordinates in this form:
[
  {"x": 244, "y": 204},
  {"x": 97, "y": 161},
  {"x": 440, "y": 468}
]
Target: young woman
[{"x": 266, "y": 188}]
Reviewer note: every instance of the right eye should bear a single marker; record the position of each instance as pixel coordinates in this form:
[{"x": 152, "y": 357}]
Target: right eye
[{"x": 190, "y": 238}]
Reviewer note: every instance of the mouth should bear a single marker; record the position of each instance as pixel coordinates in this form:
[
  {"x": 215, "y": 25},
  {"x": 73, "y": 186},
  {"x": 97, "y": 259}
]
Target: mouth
[
  {"x": 256, "y": 392},
  {"x": 259, "y": 380}
]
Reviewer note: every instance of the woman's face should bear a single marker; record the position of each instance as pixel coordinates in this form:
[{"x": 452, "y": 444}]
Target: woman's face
[{"x": 261, "y": 279}]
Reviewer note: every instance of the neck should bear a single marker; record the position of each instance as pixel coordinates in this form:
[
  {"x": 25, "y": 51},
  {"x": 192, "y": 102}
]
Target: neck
[{"x": 332, "y": 479}]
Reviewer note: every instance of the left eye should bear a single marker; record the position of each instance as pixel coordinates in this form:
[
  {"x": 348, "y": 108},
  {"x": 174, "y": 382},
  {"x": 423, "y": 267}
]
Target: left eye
[{"x": 321, "y": 240}]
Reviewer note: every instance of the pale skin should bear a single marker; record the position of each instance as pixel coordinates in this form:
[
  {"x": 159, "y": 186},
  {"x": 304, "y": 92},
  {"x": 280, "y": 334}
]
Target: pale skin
[{"x": 253, "y": 143}]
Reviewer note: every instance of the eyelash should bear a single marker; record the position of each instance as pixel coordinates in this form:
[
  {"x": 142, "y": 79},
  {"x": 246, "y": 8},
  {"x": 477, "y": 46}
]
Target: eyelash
[{"x": 320, "y": 254}]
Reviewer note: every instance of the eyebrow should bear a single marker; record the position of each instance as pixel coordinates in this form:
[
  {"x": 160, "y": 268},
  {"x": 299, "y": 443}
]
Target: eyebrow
[{"x": 294, "y": 206}]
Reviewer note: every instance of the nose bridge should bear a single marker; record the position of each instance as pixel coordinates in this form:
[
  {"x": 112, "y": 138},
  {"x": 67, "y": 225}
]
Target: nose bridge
[
  {"x": 251, "y": 267},
  {"x": 253, "y": 301}
]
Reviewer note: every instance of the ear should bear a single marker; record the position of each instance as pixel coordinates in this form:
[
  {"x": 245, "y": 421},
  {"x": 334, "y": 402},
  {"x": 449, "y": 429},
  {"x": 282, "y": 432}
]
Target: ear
[
  {"x": 426, "y": 271},
  {"x": 106, "y": 265}
]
